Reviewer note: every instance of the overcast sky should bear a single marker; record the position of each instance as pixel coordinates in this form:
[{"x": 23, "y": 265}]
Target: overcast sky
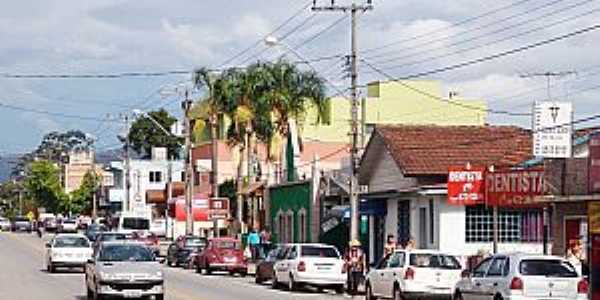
[{"x": 402, "y": 38}]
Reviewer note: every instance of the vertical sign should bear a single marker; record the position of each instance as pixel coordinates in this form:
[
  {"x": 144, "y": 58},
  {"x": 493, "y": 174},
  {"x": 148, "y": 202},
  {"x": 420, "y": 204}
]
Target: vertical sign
[
  {"x": 552, "y": 129},
  {"x": 594, "y": 164},
  {"x": 465, "y": 185}
]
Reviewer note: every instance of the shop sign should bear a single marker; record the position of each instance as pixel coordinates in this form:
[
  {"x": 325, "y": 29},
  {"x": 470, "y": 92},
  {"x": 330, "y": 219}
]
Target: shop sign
[
  {"x": 515, "y": 187},
  {"x": 552, "y": 125},
  {"x": 466, "y": 185}
]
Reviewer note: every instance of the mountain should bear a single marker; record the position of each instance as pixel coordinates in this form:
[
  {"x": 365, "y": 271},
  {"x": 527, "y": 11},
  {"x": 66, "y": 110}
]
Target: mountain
[{"x": 6, "y": 163}]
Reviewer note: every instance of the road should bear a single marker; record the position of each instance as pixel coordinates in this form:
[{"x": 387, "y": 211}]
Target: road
[{"x": 22, "y": 277}]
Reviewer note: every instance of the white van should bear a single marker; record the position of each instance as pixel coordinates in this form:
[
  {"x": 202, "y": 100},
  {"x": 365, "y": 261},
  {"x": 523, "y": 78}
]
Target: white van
[{"x": 130, "y": 222}]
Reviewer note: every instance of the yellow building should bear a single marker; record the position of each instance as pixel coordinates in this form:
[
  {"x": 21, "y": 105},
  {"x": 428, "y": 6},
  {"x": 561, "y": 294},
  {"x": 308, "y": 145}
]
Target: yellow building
[{"x": 406, "y": 102}]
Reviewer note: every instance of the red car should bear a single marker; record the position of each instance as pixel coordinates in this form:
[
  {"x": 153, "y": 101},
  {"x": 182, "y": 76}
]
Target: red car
[
  {"x": 222, "y": 254},
  {"x": 149, "y": 239}
]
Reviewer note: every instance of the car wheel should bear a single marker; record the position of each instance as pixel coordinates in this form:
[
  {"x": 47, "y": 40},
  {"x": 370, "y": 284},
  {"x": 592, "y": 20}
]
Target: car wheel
[
  {"x": 159, "y": 297},
  {"x": 198, "y": 269},
  {"x": 291, "y": 284},
  {"x": 498, "y": 297},
  {"x": 369, "y": 293},
  {"x": 207, "y": 271},
  {"x": 339, "y": 289},
  {"x": 258, "y": 279},
  {"x": 457, "y": 296},
  {"x": 90, "y": 293},
  {"x": 50, "y": 268},
  {"x": 397, "y": 294},
  {"x": 243, "y": 274},
  {"x": 274, "y": 283}
]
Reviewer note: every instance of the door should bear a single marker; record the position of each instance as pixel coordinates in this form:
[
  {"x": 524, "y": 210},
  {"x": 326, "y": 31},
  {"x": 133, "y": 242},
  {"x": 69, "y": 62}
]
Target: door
[
  {"x": 496, "y": 277},
  {"x": 423, "y": 228},
  {"x": 473, "y": 290},
  {"x": 376, "y": 278},
  {"x": 391, "y": 272}
]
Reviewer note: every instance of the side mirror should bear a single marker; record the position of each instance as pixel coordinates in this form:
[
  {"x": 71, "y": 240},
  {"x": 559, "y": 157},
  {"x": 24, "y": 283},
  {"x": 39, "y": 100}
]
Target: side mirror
[
  {"x": 465, "y": 274},
  {"x": 91, "y": 261},
  {"x": 47, "y": 245}
]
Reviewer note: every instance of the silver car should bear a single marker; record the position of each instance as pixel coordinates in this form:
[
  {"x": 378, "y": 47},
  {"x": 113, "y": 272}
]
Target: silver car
[
  {"x": 124, "y": 269},
  {"x": 4, "y": 224}
]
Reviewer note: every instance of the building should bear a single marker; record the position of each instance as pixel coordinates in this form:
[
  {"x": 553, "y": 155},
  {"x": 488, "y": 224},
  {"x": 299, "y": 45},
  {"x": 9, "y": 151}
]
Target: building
[
  {"x": 79, "y": 164},
  {"x": 404, "y": 169},
  {"x": 390, "y": 102}
]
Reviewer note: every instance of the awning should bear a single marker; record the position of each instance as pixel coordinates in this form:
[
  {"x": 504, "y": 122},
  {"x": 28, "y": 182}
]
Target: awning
[{"x": 156, "y": 197}]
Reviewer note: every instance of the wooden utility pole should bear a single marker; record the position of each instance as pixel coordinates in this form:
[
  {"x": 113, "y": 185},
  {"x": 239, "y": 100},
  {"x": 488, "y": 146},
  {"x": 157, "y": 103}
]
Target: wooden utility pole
[
  {"x": 189, "y": 221},
  {"x": 353, "y": 9}
]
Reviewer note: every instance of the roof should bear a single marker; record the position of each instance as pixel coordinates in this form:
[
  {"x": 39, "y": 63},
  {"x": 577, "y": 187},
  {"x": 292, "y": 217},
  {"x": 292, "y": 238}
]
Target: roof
[{"x": 431, "y": 150}]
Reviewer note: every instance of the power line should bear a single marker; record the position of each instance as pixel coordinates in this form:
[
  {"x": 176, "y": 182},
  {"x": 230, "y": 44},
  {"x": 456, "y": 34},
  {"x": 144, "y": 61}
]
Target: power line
[
  {"x": 56, "y": 114},
  {"x": 468, "y": 49},
  {"x": 498, "y": 55},
  {"x": 94, "y": 76},
  {"x": 429, "y": 33}
]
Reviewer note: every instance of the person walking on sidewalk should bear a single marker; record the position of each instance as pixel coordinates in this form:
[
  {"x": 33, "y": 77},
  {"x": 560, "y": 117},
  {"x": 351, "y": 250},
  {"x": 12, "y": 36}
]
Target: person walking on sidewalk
[{"x": 355, "y": 266}]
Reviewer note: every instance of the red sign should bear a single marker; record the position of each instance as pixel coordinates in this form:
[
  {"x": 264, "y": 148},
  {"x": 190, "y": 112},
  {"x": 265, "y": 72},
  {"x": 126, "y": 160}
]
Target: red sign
[
  {"x": 465, "y": 185},
  {"x": 594, "y": 164},
  {"x": 219, "y": 208},
  {"x": 514, "y": 187},
  {"x": 200, "y": 210}
]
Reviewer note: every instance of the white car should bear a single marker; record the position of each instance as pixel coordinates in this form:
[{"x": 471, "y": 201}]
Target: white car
[
  {"x": 409, "y": 273},
  {"x": 316, "y": 265},
  {"x": 522, "y": 277},
  {"x": 68, "y": 225},
  {"x": 159, "y": 227},
  {"x": 5, "y": 224},
  {"x": 67, "y": 251}
]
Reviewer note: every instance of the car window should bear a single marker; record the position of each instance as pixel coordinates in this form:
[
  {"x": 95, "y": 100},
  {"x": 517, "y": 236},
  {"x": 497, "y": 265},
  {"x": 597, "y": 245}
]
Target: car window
[
  {"x": 194, "y": 242},
  {"x": 396, "y": 260},
  {"x": 497, "y": 267},
  {"x": 383, "y": 262},
  {"x": 292, "y": 253},
  {"x": 136, "y": 223},
  {"x": 432, "y": 260},
  {"x": 318, "y": 251},
  {"x": 282, "y": 254},
  {"x": 482, "y": 268},
  {"x": 125, "y": 253},
  {"x": 227, "y": 245},
  {"x": 113, "y": 237},
  {"x": 71, "y": 242},
  {"x": 547, "y": 267}
]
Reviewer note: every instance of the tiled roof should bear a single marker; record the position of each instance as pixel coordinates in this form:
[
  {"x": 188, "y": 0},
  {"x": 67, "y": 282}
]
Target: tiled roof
[{"x": 430, "y": 150}]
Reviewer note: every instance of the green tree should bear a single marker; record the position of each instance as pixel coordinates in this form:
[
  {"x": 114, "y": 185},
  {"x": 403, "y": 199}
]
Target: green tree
[
  {"x": 43, "y": 186},
  {"x": 144, "y": 134},
  {"x": 81, "y": 199}
]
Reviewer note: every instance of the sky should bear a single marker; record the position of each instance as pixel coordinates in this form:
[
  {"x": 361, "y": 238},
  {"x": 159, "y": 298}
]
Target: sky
[{"x": 399, "y": 38}]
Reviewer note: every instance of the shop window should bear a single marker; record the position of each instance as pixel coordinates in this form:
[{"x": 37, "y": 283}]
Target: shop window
[
  {"x": 155, "y": 177},
  {"x": 513, "y": 225}
]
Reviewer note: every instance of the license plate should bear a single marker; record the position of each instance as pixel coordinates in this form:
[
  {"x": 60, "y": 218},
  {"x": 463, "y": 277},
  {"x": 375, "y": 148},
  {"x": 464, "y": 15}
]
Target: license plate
[
  {"x": 229, "y": 259},
  {"x": 132, "y": 294}
]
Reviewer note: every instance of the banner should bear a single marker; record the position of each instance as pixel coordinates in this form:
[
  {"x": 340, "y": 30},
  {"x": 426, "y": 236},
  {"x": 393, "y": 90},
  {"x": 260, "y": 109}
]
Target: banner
[
  {"x": 466, "y": 185},
  {"x": 514, "y": 188}
]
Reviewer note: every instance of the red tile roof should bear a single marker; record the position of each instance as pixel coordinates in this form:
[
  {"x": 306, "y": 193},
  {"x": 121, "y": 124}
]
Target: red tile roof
[{"x": 430, "y": 150}]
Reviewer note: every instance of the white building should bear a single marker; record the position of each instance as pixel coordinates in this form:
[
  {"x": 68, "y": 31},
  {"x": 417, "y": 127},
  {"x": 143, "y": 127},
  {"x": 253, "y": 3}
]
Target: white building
[{"x": 404, "y": 169}]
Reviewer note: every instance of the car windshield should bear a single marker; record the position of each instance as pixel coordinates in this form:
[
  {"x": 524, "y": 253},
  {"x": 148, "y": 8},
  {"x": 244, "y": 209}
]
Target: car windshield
[
  {"x": 21, "y": 219},
  {"x": 194, "y": 242},
  {"x": 71, "y": 242},
  {"x": 430, "y": 260},
  {"x": 227, "y": 245},
  {"x": 136, "y": 223},
  {"x": 125, "y": 253},
  {"x": 69, "y": 222},
  {"x": 113, "y": 237},
  {"x": 547, "y": 267},
  {"x": 317, "y": 251},
  {"x": 96, "y": 227}
]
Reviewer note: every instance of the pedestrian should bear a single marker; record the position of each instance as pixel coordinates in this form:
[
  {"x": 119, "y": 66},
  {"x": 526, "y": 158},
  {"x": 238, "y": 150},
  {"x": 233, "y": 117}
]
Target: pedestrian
[
  {"x": 411, "y": 244},
  {"x": 575, "y": 255},
  {"x": 253, "y": 242},
  {"x": 390, "y": 245},
  {"x": 355, "y": 266},
  {"x": 265, "y": 236}
]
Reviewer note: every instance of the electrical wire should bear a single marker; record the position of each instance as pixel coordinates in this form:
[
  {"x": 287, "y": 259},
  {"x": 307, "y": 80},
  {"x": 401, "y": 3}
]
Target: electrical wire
[
  {"x": 429, "y": 33},
  {"x": 56, "y": 114}
]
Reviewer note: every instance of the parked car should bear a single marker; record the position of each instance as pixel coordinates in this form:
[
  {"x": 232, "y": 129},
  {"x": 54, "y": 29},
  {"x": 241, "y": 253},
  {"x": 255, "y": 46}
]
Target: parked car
[
  {"x": 4, "y": 224},
  {"x": 413, "y": 273},
  {"x": 21, "y": 223},
  {"x": 264, "y": 268},
  {"x": 159, "y": 227},
  {"x": 522, "y": 276},
  {"x": 103, "y": 237},
  {"x": 316, "y": 265},
  {"x": 50, "y": 224},
  {"x": 222, "y": 254},
  {"x": 93, "y": 230},
  {"x": 124, "y": 269},
  {"x": 68, "y": 225},
  {"x": 149, "y": 239},
  {"x": 68, "y": 251},
  {"x": 184, "y": 249},
  {"x": 261, "y": 252}
]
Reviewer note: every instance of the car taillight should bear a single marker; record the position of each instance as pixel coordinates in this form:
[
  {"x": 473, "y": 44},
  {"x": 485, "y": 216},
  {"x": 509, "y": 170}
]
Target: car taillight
[
  {"x": 516, "y": 284},
  {"x": 301, "y": 266},
  {"x": 583, "y": 286},
  {"x": 409, "y": 274}
]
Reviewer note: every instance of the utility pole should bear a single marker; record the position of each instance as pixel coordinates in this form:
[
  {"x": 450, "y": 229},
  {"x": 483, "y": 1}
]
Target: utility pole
[
  {"x": 127, "y": 203},
  {"x": 354, "y": 9},
  {"x": 189, "y": 221}
]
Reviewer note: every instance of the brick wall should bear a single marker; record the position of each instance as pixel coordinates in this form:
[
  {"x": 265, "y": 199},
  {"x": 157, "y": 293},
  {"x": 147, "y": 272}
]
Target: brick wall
[
  {"x": 575, "y": 178},
  {"x": 562, "y": 210}
]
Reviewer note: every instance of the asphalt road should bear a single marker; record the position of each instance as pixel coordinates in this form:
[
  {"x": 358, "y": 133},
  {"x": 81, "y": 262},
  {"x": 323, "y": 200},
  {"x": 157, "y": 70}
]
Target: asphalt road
[{"x": 22, "y": 277}]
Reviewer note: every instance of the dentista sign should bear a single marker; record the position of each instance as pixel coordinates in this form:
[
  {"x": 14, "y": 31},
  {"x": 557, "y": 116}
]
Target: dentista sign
[
  {"x": 514, "y": 187},
  {"x": 465, "y": 185}
]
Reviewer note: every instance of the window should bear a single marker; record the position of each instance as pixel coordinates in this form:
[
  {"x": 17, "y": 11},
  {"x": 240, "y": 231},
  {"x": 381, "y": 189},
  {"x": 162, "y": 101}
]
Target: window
[
  {"x": 431, "y": 222},
  {"x": 289, "y": 230},
  {"x": 383, "y": 262},
  {"x": 403, "y": 220},
  {"x": 280, "y": 227},
  {"x": 429, "y": 260},
  {"x": 547, "y": 267},
  {"x": 396, "y": 260},
  {"x": 155, "y": 176},
  {"x": 422, "y": 227},
  {"x": 317, "y": 251},
  {"x": 513, "y": 225},
  {"x": 482, "y": 268},
  {"x": 497, "y": 267},
  {"x": 302, "y": 226},
  {"x": 292, "y": 253}
]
